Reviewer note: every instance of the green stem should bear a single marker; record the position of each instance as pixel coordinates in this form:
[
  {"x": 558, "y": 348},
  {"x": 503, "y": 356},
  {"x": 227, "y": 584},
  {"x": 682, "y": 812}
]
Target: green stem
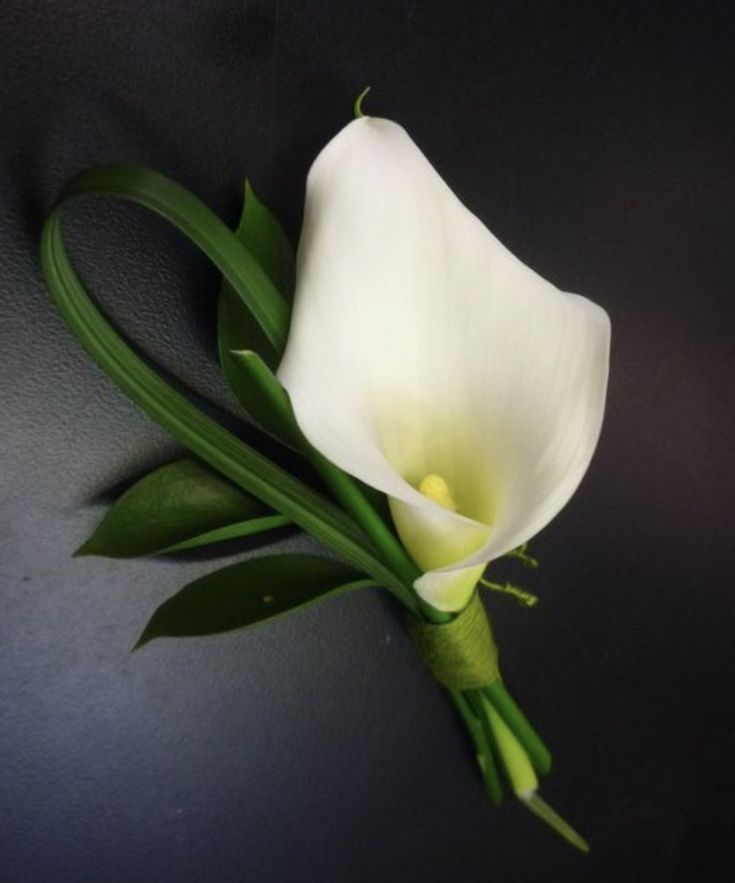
[
  {"x": 357, "y": 106},
  {"x": 505, "y": 706},
  {"x": 348, "y": 493},
  {"x": 517, "y": 722},
  {"x": 484, "y": 742},
  {"x": 465, "y": 712},
  {"x": 354, "y": 501},
  {"x": 438, "y": 617},
  {"x": 272, "y": 408}
]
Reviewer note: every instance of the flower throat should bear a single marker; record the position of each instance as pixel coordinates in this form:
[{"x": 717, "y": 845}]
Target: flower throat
[{"x": 436, "y": 489}]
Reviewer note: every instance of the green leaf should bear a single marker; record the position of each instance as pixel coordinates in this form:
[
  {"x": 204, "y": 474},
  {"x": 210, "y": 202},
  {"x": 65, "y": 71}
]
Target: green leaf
[
  {"x": 180, "y": 506},
  {"x": 263, "y": 236},
  {"x": 212, "y": 443},
  {"x": 263, "y": 397},
  {"x": 173, "y": 202},
  {"x": 237, "y": 328},
  {"x": 250, "y": 592}
]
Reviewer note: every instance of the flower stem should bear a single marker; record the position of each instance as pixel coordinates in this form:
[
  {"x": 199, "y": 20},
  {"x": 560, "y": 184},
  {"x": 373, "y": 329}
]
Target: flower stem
[
  {"x": 469, "y": 705},
  {"x": 518, "y": 723},
  {"x": 276, "y": 412},
  {"x": 349, "y": 494},
  {"x": 522, "y": 778}
]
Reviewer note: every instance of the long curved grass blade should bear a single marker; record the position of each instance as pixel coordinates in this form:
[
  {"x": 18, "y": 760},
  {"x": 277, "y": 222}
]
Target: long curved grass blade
[
  {"x": 160, "y": 194},
  {"x": 248, "y": 593},
  {"x": 207, "y": 439},
  {"x": 182, "y": 505}
]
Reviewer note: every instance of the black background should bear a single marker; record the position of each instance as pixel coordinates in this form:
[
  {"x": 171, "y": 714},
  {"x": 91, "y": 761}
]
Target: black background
[{"x": 596, "y": 140}]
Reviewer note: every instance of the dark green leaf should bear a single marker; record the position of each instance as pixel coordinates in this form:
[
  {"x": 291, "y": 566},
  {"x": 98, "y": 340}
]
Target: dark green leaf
[
  {"x": 179, "y": 506},
  {"x": 173, "y": 202},
  {"x": 250, "y": 592},
  {"x": 263, "y": 236},
  {"x": 264, "y": 398},
  {"x": 237, "y": 329},
  {"x": 212, "y": 443},
  {"x": 261, "y": 233}
]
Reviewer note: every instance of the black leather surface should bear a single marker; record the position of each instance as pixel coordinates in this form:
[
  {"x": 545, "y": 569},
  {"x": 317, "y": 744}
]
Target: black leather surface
[{"x": 596, "y": 140}]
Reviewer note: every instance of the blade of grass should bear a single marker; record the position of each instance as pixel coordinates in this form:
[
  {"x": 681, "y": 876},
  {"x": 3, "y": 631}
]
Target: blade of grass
[{"x": 173, "y": 202}]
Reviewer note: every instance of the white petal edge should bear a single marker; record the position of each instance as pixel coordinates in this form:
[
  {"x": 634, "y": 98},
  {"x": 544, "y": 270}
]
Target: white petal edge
[{"x": 420, "y": 344}]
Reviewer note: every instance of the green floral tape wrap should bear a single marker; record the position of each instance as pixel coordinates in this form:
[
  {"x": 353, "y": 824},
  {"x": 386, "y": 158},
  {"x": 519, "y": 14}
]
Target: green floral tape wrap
[{"x": 461, "y": 653}]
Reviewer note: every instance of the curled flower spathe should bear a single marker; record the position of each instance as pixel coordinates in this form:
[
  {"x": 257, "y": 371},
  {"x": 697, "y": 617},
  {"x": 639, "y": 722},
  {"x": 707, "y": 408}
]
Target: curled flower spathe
[{"x": 429, "y": 362}]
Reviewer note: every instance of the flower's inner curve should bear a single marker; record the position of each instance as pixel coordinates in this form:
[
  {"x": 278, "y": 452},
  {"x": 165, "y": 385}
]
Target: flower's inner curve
[{"x": 436, "y": 439}]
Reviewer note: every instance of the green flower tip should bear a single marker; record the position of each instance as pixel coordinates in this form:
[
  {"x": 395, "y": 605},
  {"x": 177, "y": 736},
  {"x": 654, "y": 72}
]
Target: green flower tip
[{"x": 357, "y": 106}]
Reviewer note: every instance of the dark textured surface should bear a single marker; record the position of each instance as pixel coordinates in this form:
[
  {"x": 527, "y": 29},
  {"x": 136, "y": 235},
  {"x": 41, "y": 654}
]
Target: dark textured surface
[{"x": 596, "y": 140}]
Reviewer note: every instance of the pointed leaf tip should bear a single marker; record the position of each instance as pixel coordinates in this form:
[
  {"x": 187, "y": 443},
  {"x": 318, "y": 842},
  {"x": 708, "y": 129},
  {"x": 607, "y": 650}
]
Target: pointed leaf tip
[
  {"x": 178, "y": 506},
  {"x": 250, "y": 592},
  {"x": 262, "y": 234},
  {"x": 542, "y": 810},
  {"x": 263, "y": 397}
]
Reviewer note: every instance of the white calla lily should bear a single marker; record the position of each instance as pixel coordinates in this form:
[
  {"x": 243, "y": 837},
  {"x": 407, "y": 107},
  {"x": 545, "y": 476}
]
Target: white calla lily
[{"x": 429, "y": 362}]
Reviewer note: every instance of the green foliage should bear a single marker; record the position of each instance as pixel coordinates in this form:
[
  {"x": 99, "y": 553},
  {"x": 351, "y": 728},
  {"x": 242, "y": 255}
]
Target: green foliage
[
  {"x": 250, "y": 592},
  {"x": 257, "y": 293},
  {"x": 237, "y": 328},
  {"x": 263, "y": 397},
  {"x": 179, "y": 506},
  {"x": 220, "y": 449},
  {"x": 262, "y": 234}
]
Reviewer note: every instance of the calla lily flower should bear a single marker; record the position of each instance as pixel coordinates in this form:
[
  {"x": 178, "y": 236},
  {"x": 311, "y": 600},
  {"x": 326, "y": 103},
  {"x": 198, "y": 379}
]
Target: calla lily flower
[{"x": 430, "y": 363}]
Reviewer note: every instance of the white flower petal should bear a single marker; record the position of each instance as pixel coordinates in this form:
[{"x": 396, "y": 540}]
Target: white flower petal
[{"x": 419, "y": 344}]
